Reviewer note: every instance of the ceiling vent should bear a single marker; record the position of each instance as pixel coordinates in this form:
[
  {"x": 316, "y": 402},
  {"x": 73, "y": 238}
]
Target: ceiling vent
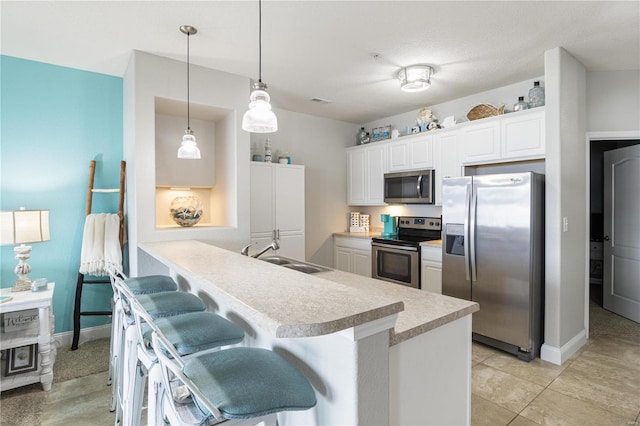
[{"x": 320, "y": 101}]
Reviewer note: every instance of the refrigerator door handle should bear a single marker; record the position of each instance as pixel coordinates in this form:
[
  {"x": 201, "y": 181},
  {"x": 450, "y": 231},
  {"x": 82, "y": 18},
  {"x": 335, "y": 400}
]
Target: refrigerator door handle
[
  {"x": 472, "y": 233},
  {"x": 466, "y": 230}
]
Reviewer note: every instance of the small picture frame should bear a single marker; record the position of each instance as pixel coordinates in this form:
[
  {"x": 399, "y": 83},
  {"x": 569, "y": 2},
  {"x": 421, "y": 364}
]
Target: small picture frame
[
  {"x": 21, "y": 359},
  {"x": 381, "y": 133}
]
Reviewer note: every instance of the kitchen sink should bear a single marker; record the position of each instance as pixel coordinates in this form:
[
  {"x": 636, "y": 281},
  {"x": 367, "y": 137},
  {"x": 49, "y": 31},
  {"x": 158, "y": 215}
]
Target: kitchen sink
[
  {"x": 307, "y": 268},
  {"x": 278, "y": 260}
]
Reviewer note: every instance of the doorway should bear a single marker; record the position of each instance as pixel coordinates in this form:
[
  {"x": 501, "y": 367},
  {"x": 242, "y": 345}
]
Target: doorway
[{"x": 598, "y": 147}]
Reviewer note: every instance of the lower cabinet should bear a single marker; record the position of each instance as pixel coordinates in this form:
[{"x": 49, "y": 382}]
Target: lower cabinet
[
  {"x": 431, "y": 279},
  {"x": 352, "y": 254}
]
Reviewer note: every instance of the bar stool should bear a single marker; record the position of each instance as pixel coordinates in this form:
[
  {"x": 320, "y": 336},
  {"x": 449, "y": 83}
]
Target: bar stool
[
  {"x": 189, "y": 333},
  {"x": 139, "y": 285},
  {"x": 241, "y": 384},
  {"x": 158, "y": 305}
]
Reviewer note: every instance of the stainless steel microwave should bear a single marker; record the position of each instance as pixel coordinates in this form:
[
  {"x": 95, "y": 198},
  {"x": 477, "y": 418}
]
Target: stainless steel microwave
[{"x": 416, "y": 187}]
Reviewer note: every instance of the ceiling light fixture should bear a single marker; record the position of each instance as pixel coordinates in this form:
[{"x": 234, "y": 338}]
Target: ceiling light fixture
[
  {"x": 415, "y": 78},
  {"x": 188, "y": 149},
  {"x": 259, "y": 118}
]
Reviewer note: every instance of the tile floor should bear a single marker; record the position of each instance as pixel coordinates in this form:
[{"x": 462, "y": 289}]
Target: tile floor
[{"x": 599, "y": 386}]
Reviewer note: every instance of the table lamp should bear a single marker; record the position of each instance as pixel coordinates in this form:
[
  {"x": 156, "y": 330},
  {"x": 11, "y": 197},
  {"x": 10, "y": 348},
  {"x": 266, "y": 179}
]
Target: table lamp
[{"x": 20, "y": 227}]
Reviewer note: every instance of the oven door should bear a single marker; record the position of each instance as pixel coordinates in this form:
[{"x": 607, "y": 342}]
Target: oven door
[{"x": 397, "y": 264}]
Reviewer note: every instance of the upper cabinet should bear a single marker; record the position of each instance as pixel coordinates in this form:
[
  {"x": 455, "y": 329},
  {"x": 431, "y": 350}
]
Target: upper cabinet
[
  {"x": 505, "y": 138},
  {"x": 446, "y": 159},
  {"x": 481, "y": 142},
  {"x": 512, "y": 137},
  {"x": 365, "y": 175},
  {"x": 412, "y": 154},
  {"x": 523, "y": 135}
]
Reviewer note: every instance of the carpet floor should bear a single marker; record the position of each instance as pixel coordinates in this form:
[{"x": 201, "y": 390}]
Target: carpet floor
[{"x": 24, "y": 405}]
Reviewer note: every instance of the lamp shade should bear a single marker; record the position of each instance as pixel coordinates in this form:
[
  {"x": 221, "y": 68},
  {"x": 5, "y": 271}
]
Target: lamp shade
[
  {"x": 259, "y": 118},
  {"x": 415, "y": 78},
  {"x": 188, "y": 148},
  {"x": 24, "y": 226}
]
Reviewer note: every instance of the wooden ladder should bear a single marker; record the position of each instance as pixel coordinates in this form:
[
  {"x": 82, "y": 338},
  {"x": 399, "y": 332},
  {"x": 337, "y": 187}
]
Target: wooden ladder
[{"x": 77, "y": 311}]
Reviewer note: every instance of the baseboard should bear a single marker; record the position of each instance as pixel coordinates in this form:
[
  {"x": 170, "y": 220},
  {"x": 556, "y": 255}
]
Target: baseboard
[
  {"x": 86, "y": 334},
  {"x": 557, "y": 355}
]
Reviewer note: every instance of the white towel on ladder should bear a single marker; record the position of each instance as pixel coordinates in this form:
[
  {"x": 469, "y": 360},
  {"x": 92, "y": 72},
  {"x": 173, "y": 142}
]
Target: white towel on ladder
[{"x": 101, "y": 244}]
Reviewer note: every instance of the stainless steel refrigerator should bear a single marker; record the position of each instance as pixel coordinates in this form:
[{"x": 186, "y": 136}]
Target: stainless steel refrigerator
[{"x": 493, "y": 254}]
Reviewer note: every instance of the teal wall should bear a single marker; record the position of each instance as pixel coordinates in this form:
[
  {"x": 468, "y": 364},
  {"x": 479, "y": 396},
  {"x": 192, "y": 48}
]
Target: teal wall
[{"x": 53, "y": 122}]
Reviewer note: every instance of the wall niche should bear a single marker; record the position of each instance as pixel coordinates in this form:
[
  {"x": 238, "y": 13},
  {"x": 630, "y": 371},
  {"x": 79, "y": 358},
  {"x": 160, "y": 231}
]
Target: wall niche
[{"x": 204, "y": 178}]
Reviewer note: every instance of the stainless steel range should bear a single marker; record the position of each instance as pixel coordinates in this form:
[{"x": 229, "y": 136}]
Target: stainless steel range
[{"x": 398, "y": 259}]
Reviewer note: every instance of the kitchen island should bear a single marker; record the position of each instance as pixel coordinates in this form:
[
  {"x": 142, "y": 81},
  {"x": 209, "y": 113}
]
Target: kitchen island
[{"x": 375, "y": 352}]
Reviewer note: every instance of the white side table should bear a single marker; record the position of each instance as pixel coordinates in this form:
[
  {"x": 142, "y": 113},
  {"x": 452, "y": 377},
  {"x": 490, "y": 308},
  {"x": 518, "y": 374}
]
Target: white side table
[{"x": 21, "y": 301}]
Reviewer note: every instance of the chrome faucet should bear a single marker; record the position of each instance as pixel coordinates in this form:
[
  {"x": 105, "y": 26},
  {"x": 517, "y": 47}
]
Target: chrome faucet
[
  {"x": 273, "y": 246},
  {"x": 245, "y": 249}
]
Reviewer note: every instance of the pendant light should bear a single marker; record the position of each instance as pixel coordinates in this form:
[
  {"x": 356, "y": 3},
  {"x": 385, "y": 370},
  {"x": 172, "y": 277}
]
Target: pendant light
[
  {"x": 259, "y": 118},
  {"x": 188, "y": 149}
]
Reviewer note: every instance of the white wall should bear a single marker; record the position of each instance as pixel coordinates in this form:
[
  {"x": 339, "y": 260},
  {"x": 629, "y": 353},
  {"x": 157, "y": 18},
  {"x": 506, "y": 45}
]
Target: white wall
[
  {"x": 613, "y": 100},
  {"x": 565, "y": 251},
  {"x": 507, "y": 95},
  {"x": 148, "y": 76},
  {"x": 318, "y": 144}
]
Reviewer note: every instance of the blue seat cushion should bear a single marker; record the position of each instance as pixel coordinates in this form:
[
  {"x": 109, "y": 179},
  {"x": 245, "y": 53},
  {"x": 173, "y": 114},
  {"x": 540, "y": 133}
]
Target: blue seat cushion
[
  {"x": 196, "y": 331},
  {"x": 168, "y": 304},
  {"x": 151, "y": 284},
  {"x": 249, "y": 382}
]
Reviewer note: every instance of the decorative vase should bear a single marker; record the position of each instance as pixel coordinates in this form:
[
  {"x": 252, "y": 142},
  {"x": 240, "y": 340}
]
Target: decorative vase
[
  {"x": 186, "y": 211},
  {"x": 536, "y": 95}
]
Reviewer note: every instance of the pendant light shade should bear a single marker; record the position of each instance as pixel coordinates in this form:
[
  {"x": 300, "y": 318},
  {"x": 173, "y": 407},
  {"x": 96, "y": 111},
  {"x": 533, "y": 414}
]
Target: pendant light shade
[
  {"x": 259, "y": 118},
  {"x": 415, "y": 78},
  {"x": 188, "y": 148}
]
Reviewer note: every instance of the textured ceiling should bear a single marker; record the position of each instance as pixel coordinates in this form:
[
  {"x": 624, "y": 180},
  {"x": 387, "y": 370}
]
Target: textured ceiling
[{"x": 324, "y": 49}]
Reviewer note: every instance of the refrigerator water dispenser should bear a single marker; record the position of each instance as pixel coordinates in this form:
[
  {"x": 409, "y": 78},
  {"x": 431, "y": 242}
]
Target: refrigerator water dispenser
[{"x": 454, "y": 243}]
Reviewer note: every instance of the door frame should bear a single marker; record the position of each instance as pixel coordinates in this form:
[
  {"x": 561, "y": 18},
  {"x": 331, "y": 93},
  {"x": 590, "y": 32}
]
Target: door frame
[{"x": 612, "y": 136}]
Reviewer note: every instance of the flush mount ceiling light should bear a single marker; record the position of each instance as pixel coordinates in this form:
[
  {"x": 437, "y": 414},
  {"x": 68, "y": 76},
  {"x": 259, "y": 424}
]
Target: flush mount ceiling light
[
  {"x": 188, "y": 149},
  {"x": 415, "y": 78},
  {"x": 259, "y": 118}
]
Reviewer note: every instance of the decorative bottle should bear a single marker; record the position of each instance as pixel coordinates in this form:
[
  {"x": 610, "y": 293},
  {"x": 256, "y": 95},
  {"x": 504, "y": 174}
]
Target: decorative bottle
[
  {"x": 536, "y": 95},
  {"x": 520, "y": 105},
  {"x": 361, "y": 136},
  {"x": 267, "y": 151}
]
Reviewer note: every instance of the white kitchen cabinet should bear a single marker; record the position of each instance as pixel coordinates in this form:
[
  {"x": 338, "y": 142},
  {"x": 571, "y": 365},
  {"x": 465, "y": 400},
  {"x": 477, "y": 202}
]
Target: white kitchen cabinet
[
  {"x": 523, "y": 135},
  {"x": 446, "y": 159},
  {"x": 512, "y": 137},
  {"x": 481, "y": 142},
  {"x": 352, "y": 254},
  {"x": 277, "y": 208},
  {"x": 431, "y": 263},
  {"x": 411, "y": 153},
  {"x": 365, "y": 175}
]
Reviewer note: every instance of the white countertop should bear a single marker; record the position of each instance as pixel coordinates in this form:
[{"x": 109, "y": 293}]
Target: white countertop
[
  {"x": 289, "y": 303},
  {"x": 367, "y": 235},
  {"x": 432, "y": 243}
]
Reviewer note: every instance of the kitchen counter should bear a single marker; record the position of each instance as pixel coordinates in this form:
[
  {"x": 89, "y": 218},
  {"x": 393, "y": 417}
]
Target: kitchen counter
[
  {"x": 316, "y": 304},
  {"x": 368, "y": 347},
  {"x": 433, "y": 243},
  {"x": 312, "y": 306},
  {"x": 367, "y": 235},
  {"x": 423, "y": 310}
]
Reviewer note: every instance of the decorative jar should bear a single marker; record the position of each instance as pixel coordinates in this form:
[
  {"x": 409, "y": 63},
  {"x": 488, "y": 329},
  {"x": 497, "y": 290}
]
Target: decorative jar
[{"x": 186, "y": 211}]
